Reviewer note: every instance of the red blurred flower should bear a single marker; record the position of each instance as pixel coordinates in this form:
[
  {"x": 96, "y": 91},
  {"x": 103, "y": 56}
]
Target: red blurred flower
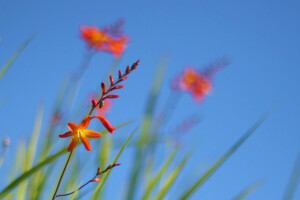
[
  {"x": 108, "y": 39},
  {"x": 105, "y": 107},
  {"x": 80, "y": 132},
  {"x": 193, "y": 82},
  {"x": 107, "y": 103}
]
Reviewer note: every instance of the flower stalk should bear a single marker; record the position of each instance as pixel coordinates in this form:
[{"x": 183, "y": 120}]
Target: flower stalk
[{"x": 94, "y": 179}]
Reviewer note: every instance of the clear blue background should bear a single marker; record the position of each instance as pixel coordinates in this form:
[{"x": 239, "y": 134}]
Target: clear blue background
[{"x": 261, "y": 37}]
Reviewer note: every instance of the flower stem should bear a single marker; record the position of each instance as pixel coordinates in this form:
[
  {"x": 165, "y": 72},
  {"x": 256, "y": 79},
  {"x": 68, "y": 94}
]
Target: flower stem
[{"x": 62, "y": 175}]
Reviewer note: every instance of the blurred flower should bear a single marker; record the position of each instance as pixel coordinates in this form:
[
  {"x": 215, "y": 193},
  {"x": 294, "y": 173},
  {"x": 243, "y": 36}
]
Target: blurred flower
[
  {"x": 106, "y": 106},
  {"x": 6, "y": 142},
  {"x": 103, "y": 108},
  {"x": 109, "y": 39},
  {"x": 80, "y": 132},
  {"x": 193, "y": 82},
  {"x": 56, "y": 118}
]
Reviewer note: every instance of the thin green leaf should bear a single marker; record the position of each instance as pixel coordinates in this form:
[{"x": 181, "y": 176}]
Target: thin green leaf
[
  {"x": 294, "y": 181},
  {"x": 105, "y": 176},
  {"x": 28, "y": 173},
  {"x": 208, "y": 173},
  {"x": 146, "y": 126},
  {"x": 75, "y": 193},
  {"x": 34, "y": 139},
  {"x": 248, "y": 190},
  {"x": 34, "y": 169},
  {"x": 8, "y": 64},
  {"x": 171, "y": 178},
  {"x": 155, "y": 180}
]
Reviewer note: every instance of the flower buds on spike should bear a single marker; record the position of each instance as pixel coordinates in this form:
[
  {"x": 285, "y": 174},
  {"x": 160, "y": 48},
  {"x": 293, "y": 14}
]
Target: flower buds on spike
[
  {"x": 103, "y": 87},
  {"x": 96, "y": 180},
  {"x": 120, "y": 73},
  {"x": 111, "y": 79},
  {"x": 112, "y": 96},
  {"x": 98, "y": 171},
  {"x": 94, "y": 102}
]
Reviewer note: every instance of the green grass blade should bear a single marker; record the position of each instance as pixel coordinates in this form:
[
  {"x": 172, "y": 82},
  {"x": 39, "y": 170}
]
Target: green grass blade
[
  {"x": 8, "y": 64},
  {"x": 248, "y": 190},
  {"x": 208, "y": 173},
  {"x": 171, "y": 178},
  {"x": 34, "y": 139},
  {"x": 75, "y": 193},
  {"x": 294, "y": 181},
  {"x": 105, "y": 176},
  {"x": 146, "y": 126},
  {"x": 26, "y": 174},
  {"x": 155, "y": 180}
]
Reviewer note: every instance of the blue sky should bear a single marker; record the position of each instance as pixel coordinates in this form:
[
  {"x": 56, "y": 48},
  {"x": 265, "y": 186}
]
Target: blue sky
[{"x": 261, "y": 38}]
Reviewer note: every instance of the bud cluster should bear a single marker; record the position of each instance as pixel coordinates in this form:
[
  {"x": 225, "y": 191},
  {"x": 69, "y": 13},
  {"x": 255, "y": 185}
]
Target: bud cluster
[{"x": 114, "y": 85}]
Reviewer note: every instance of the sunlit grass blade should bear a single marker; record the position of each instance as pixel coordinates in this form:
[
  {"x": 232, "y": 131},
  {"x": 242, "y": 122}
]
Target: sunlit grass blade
[
  {"x": 17, "y": 165},
  {"x": 104, "y": 155},
  {"x": 248, "y": 190},
  {"x": 31, "y": 152},
  {"x": 28, "y": 173},
  {"x": 105, "y": 176},
  {"x": 146, "y": 126},
  {"x": 75, "y": 193},
  {"x": 155, "y": 180},
  {"x": 171, "y": 179},
  {"x": 217, "y": 164},
  {"x": 294, "y": 181},
  {"x": 8, "y": 64}
]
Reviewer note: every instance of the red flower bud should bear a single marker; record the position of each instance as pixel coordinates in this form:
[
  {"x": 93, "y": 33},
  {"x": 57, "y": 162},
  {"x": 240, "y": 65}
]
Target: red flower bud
[
  {"x": 117, "y": 87},
  {"x": 103, "y": 87},
  {"x": 134, "y": 66},
  {"x": 120, "y": 73},
  {"x": 94, "y": 102},
  {"x": 106, "y": 123},
  {"x": 98, "y": 171},
  {"x": 96, "y": 180},
  {"x": 111, "y": 79},
  {"x": 124, "y": 78},
  {"x": 116, "y": 164},
  {"x": 127, "y": 70},
  {"x": 112, "y": 96}
]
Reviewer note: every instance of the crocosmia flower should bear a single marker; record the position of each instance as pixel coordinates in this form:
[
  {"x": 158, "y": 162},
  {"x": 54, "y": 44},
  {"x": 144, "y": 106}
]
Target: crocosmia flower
[
  {"x": 109, "y": 39},
  {"x": 80, "y": 132},
  {"x": 194, "y": 82}
]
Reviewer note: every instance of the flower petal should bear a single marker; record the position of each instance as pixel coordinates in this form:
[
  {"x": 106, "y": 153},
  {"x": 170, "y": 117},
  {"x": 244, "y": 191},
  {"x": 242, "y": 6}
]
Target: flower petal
[
  {"x": 91, "y": 134},
  {"x": 72, "y": 126},
  {"x": 73, "y": 143},
  {"x": 106, "y": 123},
  {"x": 67, "y": 134},
  {"x": 85, "y": 142},
  {"x": 85, "y": 122}
]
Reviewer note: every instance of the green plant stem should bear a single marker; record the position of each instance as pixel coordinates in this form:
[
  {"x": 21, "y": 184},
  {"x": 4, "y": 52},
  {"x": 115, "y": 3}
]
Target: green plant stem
[{"x": 62, "y": 175}]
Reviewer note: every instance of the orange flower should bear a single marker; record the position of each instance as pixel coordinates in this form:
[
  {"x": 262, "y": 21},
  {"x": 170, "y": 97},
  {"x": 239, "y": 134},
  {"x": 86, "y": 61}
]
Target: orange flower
[
  {"x": 80, "y": 132},
  {"x": 104, "y": 40},
  {"x": 194, "y": 82}
]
